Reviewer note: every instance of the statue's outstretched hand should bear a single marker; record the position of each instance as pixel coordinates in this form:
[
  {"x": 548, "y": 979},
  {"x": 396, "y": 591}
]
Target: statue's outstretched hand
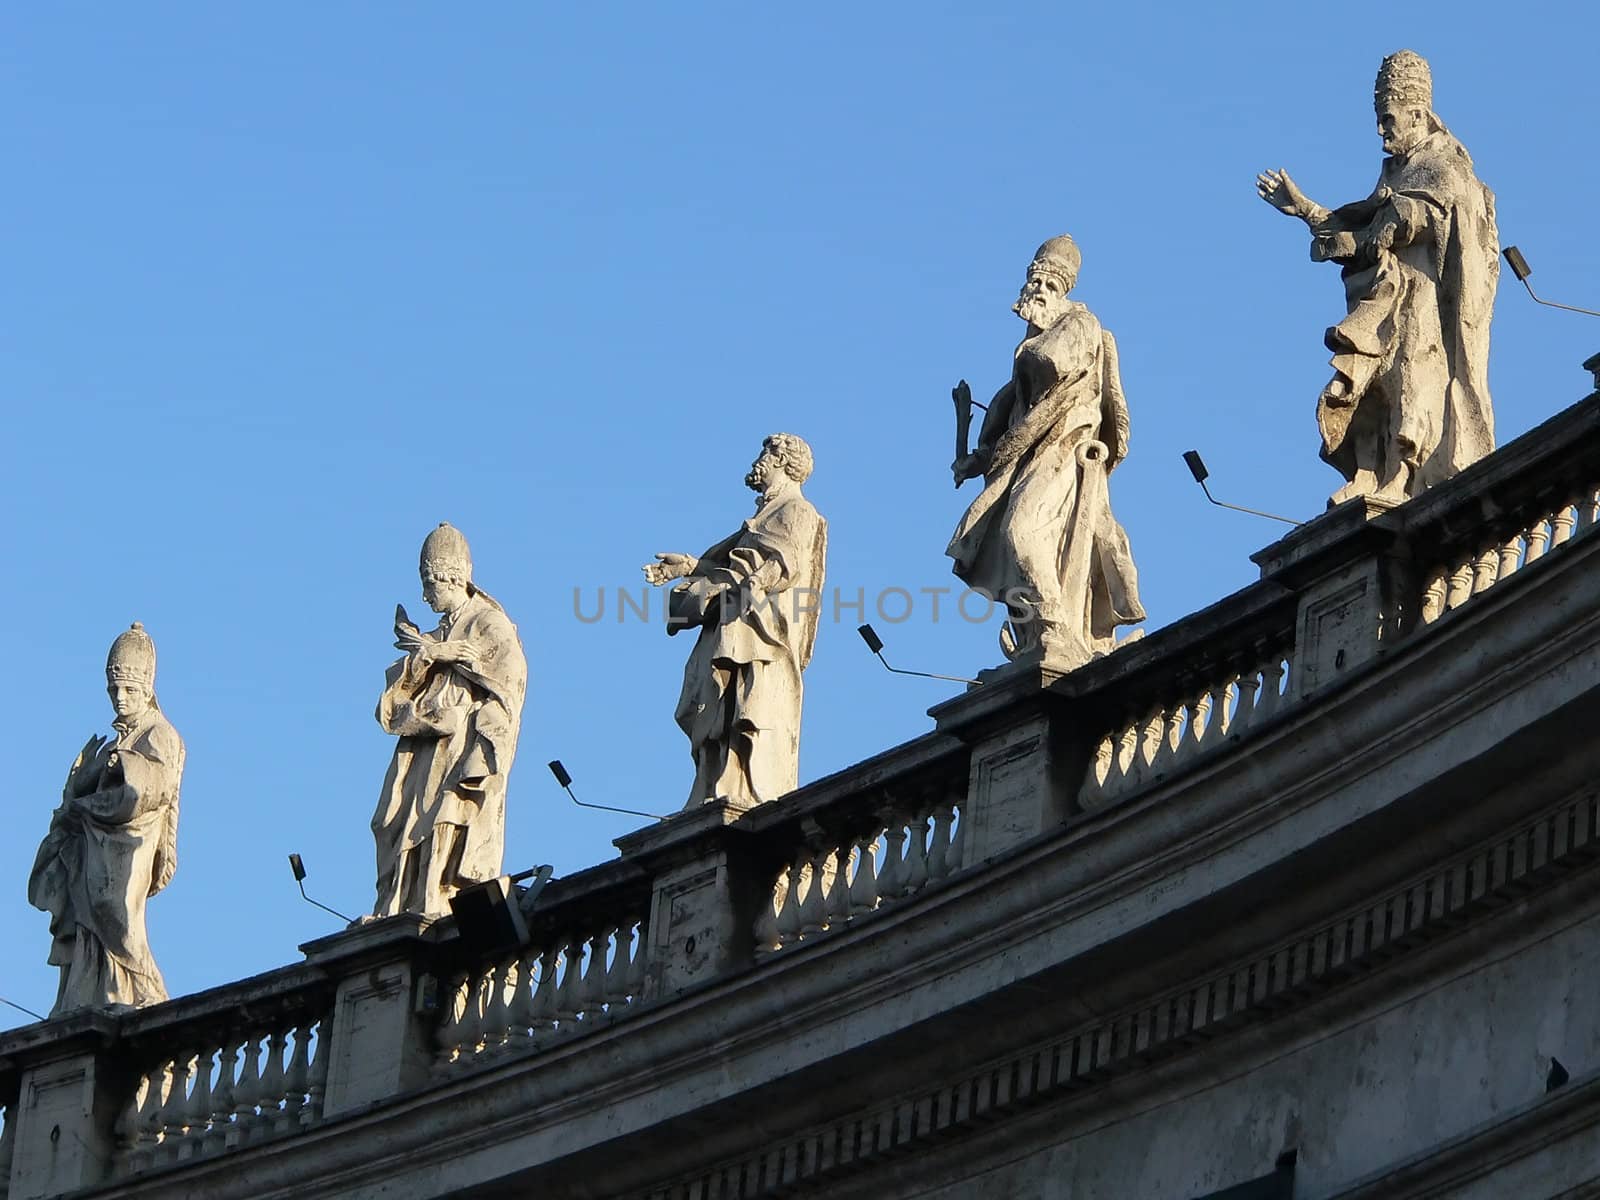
[
  {"x": 669, "y": 567},
  {"x": 1278, "y": 190}
]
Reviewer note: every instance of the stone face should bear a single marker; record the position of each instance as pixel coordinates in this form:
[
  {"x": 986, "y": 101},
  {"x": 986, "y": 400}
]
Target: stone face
[
  {"x": 1040, "y": 536},
  {"x": 113, "y": 843},
  {"x": 755, "y": 597},
  {"x": 1408, "y": 405},
  {"x": 455, "y": 703}
]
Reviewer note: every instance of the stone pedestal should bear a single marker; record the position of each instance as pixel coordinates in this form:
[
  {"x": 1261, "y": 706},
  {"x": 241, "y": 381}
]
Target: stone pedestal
[
  {"x": 383, "y": 1009},
  {"x": 1349, "y": 584},
  {"x": 709, "y": 879},
  {"x": 1022, "y": 777},
  {"x": 63, "y": 1127}
]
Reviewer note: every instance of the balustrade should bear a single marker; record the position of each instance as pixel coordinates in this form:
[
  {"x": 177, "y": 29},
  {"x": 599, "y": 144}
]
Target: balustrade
[
  {"x": 895, "y": 853},
  {"x": 1182, "y": 725},
  {"x": 1499, "y": 551},
  {"x": 547, "y": 991},
  {"x": 220, "y": 1092}
]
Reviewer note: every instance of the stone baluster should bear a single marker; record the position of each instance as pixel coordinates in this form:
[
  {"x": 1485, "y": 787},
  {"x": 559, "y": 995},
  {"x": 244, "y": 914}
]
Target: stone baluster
[
  {"x": 317, "y": 1085},
  {"x": 621, "y": 965},
  {"x": 296, "y": 1079},
  {"x": 1561, "y": 525},
  {"x": 1200, "y": 718},
  {"x": 838, "y": 898},
  {"x": 175, "y": 1112},
  {"x": 150, "y": 1129},
  {"x": 1270, "y": 699},
  {"x": 939, "y": 843},
  {"x": 543, "y": 1018},
  {"x": 569, "y": 993},
  {"x": 593, "y": 995},
  {"x": 1248, "y": 699},
  {"x": 223, "y": 1096},
  {"x": 813, "y": 906},
  {"x": 766, "y": 926},
  {"x": 1588, "y": 509},
  {"x": 1155, "y": 727},
  {"x": 126, "y": 1133},
  {"x": 246, "y": 1093},
  {"x": 916, "y": 852},
  {"x": 789, "y": 922},
  {"x": 519, "y": 1006},
  {"x": 197, "y": 1114},
  {"x": 1433, "y": 593},
  {"x": 1538, "y": 539},
  {"x": 455, "y": 1010},
  {"x": 1460, "y": 586},
  {"x": 272, "y": 1076},
  {"x": 636, "y": 964},
  {"x": 1485, "y": 569},
  {"x": 864, "y": 886},
  {"x": 955, "y": 858},
  {"x": 891, "y": 879},
  {"x": 498, "y": 979},
  {"x": 1510, "y": 557},
  {"x": 1216, "y": 711}
]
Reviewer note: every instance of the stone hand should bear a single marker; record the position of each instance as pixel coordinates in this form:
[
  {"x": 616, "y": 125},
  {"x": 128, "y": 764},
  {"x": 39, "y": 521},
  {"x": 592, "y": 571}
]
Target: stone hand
[
  {"x": 1278, "y": 190},
  {"x": 669, "y": 567},
  {"x": 464, "y": 653}
]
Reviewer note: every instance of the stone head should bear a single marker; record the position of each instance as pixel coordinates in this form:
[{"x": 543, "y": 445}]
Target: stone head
[
  {"x": 445, "y": 567},
  {"x": 131, "y": 672},
  {"x": 783, "y": 455},
  {"x": 1402, "y": 97},
  {"x": 1051, "y": 276}
]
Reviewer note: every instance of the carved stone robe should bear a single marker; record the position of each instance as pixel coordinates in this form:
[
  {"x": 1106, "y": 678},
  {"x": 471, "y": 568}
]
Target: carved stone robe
[
  {"x": 1040, "y": 536},
  {"x": 1411, "y": 359},
  {"x": 112, "y": 844},
  {"x": 755, "y": 597},
  {"x": 441, "y": 819}
]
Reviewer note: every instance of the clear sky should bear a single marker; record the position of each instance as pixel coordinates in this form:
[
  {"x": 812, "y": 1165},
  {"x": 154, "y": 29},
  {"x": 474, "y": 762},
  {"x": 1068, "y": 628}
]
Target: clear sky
[{"x": 286, "y": 285}]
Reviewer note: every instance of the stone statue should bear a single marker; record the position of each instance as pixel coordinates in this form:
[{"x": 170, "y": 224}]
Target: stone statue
[
  {"x": 754, "y": 597},
  {"x": 113, "y": 843},
  {"x": 455, "y": 702},
  {"x": 1408, "y": 405},
  {"x": 1040, "y": 535}
]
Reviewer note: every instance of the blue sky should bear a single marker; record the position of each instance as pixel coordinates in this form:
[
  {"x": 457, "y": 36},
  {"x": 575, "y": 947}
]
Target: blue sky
[{"x": 288, "y": 285}]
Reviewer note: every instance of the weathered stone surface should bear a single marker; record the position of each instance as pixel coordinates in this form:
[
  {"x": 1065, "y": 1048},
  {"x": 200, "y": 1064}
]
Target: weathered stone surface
[
  {"x": 1040, "y": 536},
  {"x": 113, "y": 843},
  {"x": 1408, "y": 405},
  {"x": 755, "y": 597},
  {"x": 455, "y": 702}
]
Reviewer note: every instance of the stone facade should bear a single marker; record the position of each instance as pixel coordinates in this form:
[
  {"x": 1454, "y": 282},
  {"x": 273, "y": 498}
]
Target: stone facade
[{"x": 1299, "y": 895}]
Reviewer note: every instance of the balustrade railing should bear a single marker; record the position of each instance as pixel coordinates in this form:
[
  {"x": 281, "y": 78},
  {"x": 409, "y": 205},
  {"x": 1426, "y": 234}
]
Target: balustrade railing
[
  {"x": 217, "y": 1091},
  {"x": 855, "y": 854},
  {"x": 1504, "y": 545},
  {"x": 582, "y": 967},
  {"x": 1190, "y": 719}
]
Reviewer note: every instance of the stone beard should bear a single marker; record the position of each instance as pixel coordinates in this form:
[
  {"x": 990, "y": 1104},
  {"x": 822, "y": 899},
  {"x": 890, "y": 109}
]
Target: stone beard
[
  {"x": 455, "y": 703},
  {"x": 754, "y": 596},
  {"x": 1040, "y": 536},
  {"x": 112, "y": 844}
]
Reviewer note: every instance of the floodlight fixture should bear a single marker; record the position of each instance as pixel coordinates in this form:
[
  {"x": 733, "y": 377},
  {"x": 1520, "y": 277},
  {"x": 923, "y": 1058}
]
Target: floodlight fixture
[
  {"x": 565, "y": 780},
  {"x": 298, "y": 866},
  {"x": 1197, "y": 468},
  {"x": 1520, "y": 268},
  {"x": 869, "y": 635}
]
